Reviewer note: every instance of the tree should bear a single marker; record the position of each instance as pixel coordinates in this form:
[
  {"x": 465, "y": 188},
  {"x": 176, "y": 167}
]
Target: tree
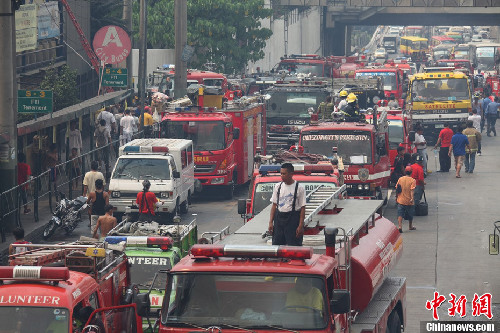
[
  {"x": 227, "y": 33},
  {"x": 63, "y": 83}
]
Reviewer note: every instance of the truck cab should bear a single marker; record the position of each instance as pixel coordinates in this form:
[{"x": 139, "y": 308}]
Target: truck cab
[
  {"x": 363, "y": 147},
  {"x": 393, "y": 80},
  {"x": 309, "y": 64},
  {"x": 56, "y": 288},
  {"x": 311, "y": 176},
  {"x": 169, "y": 166}
]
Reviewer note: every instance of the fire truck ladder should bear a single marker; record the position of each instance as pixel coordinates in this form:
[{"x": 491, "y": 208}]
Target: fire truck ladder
[
  {"x": 319, "y": 199},
  {"x": 94, "y": 60}
]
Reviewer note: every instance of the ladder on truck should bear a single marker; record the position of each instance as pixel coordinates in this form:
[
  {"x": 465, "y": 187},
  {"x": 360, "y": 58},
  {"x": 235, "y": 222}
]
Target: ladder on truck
[{"x": 320, "y": 198}]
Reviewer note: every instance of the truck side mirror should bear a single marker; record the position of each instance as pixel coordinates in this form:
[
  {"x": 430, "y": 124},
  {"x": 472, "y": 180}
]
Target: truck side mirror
[
  {"x": 411, "y": 136},
  {"x": 341, "y": 301},
  {"x": 143, "y": 304},
  {"x": 176, "y": 174},
  {"x": 242, "y": 206},
  {"x": 236, "y": 133}
]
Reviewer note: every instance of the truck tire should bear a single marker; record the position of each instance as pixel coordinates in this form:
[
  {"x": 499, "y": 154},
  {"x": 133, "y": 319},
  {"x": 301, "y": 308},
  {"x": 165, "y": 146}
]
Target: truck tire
[
  {"x": 393, "y": 323},
  {"x": 229, "y": 190},
  {"x": 184, "y": 207}
]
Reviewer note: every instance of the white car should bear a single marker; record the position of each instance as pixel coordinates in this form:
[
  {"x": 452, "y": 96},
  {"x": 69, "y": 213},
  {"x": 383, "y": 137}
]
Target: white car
[
  {"x": 476, "y": 39},
  {"x": 380, "y": 53}
]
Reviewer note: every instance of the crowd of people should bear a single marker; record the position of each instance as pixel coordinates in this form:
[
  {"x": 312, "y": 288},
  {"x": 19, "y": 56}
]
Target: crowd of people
[{"x": 464, "y": 144}]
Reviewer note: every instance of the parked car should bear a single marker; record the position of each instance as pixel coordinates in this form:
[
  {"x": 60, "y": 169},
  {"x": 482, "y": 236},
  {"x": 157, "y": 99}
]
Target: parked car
[{"x": 380, "y": 53}]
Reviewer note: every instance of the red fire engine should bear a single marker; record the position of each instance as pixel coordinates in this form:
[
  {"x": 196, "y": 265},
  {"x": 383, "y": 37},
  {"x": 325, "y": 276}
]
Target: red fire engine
[
  {"x": 311, "y": 176},
  {"x": 363, "y": 147},
  {"x": 241, "y": 283},
  {"x": 393, "y": 80},
  {"x": 57, "y": 288},
  {"x": 225, "y": 141},
  {"x": 305, "y": 64}
]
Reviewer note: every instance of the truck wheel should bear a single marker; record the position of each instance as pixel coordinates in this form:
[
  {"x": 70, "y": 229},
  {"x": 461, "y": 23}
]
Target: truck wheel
[
  {"x": 393, "y": 323},
  {"x": 185, "y": 205},
  {"x": 229, "y": 193}
]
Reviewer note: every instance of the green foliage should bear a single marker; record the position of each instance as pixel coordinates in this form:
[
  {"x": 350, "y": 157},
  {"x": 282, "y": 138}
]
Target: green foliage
[
  {"x": 63, "y": 83},
  {"x": 103, "y": 13},
  {"x": 227, "y": 33}
]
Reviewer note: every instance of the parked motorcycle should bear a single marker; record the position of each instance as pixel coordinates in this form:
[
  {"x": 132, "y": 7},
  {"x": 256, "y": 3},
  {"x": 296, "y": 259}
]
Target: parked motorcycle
[{"x": 67, "y": 215}]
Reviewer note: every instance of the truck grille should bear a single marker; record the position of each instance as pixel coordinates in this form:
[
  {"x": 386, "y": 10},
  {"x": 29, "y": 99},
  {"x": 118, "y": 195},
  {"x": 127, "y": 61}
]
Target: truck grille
[{"x": 203, "y": 168}]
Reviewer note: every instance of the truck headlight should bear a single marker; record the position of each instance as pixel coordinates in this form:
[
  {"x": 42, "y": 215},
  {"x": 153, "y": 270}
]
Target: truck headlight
[
  {"x": 360, "y": 187},
  {"x": 367, "y": 186},
  {"x": 219, "y": 180},
  {"x": 165, "y": 194},
  {"x": 115, "y": 194}
]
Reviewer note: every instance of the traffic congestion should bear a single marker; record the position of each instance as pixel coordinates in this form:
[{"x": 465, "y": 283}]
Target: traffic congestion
[{"x": 326, "y": 167}]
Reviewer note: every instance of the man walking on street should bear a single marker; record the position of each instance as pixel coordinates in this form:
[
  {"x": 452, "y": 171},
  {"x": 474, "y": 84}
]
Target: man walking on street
[
  {"x": 476, "y": 122},
  {"x": 474, "y": 138},
  {"x": 91, "y": 177},
  {"x": 286, "y": 222},
  {"x": 444, "y": 139},
  {"x": 421, "y": 145},
  {"x": 399, "y": 166},
  {"x": 127, "y": 124},
  {"x": 459, "y": 143},
  {"x": 404, "y": 198},
  {"x": 418, "y": 175},
  {"x": 102, "y": 138},
  {"x": 105, "y": 223},
  {"x": 491, "y": 117},
  {"x": 98, "y": 200}
]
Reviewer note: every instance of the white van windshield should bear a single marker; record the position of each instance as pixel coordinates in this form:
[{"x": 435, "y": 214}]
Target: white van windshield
[{"x": 142, "y": 168}]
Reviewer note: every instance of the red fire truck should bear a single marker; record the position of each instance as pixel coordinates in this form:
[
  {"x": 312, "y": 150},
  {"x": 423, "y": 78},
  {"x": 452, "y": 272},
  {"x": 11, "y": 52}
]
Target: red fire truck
[
  {"x": 243, "y": 284},
  {"x": 393, "y": 80},
  {"x": 312, "y": 64},
  {"x": 363, "y": 147},
  {"x": 225, "y": 141},
  {"x": 311, "y": 176},
  {"x": 57, "y": 288}
]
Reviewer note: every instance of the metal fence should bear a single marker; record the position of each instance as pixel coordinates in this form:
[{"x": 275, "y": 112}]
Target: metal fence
[{"x": 45, "y": 189}]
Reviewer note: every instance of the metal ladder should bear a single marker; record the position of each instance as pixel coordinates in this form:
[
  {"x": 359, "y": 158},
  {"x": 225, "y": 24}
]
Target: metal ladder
[{"x": 319, "y": 199}]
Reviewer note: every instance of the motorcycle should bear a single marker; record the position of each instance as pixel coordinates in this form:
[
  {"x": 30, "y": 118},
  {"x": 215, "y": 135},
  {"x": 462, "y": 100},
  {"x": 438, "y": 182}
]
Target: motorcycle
[{"x": 67, "y": 215}]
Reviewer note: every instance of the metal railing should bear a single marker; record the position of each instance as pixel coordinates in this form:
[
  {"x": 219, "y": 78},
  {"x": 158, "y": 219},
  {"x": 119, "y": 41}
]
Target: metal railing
[{"x": 42, "y": 190}]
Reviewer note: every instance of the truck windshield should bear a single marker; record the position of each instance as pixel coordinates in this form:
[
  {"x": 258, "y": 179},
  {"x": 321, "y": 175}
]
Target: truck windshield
[
  {"x": 264, "y": 191},
  {"x": 485, "y": 58},
  {"x": 247, "y": 301},
  {"x": 294, "y": 103},
  {"x": 396, "y": 133},
  {"x": 354, "y": 147},
  {"x": 143, "y": 269},
  {"x": 206, "y": 135},
  {"x": 142, "y": 168},
  {"x": 388, "y": 78},
  {"x": 430, "y": 90},
  {"x": 20, "y": 319},
  {"x": 302, "y": 68}
]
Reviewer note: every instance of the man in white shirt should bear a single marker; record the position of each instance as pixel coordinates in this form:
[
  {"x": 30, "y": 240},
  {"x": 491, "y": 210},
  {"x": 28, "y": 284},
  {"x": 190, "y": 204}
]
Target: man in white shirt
[
  {"x": 75, "y": 138},
  {"x": 109, "y": 118},
  {"x": 421, "y": 146},
  {"x": 286, "y": 222},
  {"x": 127, "y": 124},
  {"x": 476, "y": 122}
]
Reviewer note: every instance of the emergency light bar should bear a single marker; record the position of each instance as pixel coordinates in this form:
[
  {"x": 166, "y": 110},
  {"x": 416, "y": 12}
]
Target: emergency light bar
[
  {"x": 299, "y": 168},
  {"x": 145, "y": 149},
  {"x": 34, "y": 273},
  {"x": 250, "y": 251},
  {"x": 164, "y": 243}
]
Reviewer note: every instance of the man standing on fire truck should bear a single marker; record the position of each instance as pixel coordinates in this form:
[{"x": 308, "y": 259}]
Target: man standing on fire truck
[{"x": 286, "y": 222}]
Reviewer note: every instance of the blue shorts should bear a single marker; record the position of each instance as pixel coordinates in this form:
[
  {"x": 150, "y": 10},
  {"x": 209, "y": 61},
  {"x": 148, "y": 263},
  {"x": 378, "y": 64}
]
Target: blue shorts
[{"x": 406, "y": 212}]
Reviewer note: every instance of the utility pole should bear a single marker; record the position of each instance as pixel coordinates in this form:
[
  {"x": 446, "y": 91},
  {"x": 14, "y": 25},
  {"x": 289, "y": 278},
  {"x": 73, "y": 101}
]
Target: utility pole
[
  {"x": 143, "y": 53},
  {"x": 127, "y": 18},
  {"x": 8, "y": 104},
  {"x": 180, "y": 78}
]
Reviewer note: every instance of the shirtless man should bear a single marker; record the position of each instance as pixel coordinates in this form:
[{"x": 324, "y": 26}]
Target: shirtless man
[{"x": 106, "y": 222}]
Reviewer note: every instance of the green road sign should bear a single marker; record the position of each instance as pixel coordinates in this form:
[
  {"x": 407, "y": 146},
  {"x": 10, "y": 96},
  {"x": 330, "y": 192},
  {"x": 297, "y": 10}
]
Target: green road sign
[
  {"x": 115, "y": 77},
  {"x": 34, "y": 101}
]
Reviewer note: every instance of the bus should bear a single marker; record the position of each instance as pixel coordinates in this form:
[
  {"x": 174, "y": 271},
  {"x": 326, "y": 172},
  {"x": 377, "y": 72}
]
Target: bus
[
  {"x": 487, "y": 56},
  {"x": 415, "y": 47},
  {"x": 415, "y": 31},
  {"x": 390, "y": 43},
  {"x": 438, "y": 40},
  {"x": 463, "y": 51},
  {"x": 457, "y": 36}
]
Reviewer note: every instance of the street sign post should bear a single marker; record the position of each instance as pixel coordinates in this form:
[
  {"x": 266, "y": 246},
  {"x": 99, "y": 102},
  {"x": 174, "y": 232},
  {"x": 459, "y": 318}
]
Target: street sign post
[
  {"x": 115, "y": 77},
  {"x": 35, "y": 101}
]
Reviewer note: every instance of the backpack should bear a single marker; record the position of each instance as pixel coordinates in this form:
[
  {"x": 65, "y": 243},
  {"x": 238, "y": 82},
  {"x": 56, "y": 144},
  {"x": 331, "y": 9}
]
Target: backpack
[{"x": 101, "y": 138}]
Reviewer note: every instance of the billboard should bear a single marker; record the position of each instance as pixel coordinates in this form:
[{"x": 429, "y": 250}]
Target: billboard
[
  {"x": 26, "y": 28},
  {"x": 48, "y": 20}
]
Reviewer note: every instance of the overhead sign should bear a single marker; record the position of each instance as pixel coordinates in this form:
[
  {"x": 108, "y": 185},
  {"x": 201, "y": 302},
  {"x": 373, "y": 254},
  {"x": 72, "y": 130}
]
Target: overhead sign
[
  {"x": 115, "y": 77},
  {"x": 48, "y": 20},
  {"x": 112, "y": 44},
  {"x": 26, "y": 28},
  {"x": 34, "y": 101}
]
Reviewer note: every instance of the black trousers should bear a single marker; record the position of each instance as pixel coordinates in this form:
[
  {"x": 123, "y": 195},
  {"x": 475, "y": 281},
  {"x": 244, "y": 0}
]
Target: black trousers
[
  {"x": 285, "y": 228},
  {"x": 444, "y": 159}
]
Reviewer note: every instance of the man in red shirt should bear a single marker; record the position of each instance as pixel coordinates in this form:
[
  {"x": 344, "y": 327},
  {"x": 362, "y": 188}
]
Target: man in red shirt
[
  {"x": 147, "y": 203},
  {"x": 418, "y": 175},
  {"x": 23, "y": 172},
  {"x": 445, "y": 140}
]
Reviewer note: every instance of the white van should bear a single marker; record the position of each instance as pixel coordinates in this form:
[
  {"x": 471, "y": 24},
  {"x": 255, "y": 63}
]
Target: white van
[{"x": 167, "y": 163}]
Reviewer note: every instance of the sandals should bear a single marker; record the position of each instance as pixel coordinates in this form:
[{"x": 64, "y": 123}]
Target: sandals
[
  {"x": 458, "y": 176},
  {"x": 412, "y": 228},
  {"x": 400, "y": 230}
]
